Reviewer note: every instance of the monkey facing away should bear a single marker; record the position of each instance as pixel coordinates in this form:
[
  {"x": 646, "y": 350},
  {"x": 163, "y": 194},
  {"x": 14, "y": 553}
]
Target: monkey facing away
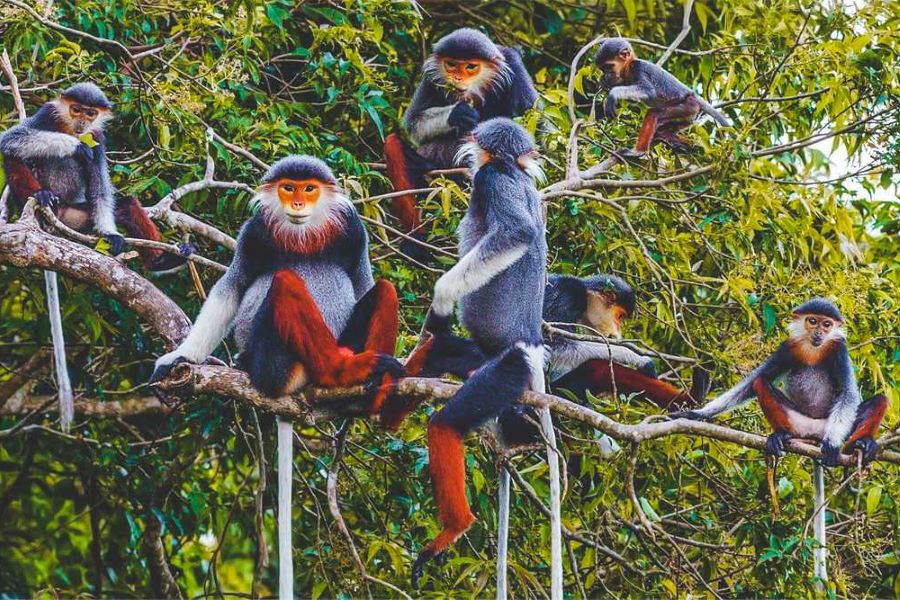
[
  {"x": 820, "y": 398},
  {"x": 499, "y": 284},
  {"x": 468, "y": 79},
  {"x": 672, "y": 106},
  {"x": 44, "y": 158},
  {"x": 300, "y": 293}
]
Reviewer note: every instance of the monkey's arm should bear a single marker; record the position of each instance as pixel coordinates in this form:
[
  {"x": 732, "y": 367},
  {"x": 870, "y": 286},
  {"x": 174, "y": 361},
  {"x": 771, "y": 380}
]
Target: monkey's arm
[
  {"x": 773, "y": 367},
  {"x": 566, "y": 355},
  {"x": 428, "y": 113},
  {"x": 361, "y": 271},
  {"x": 100, "y": 192},
  {"x": 846, "y": 404},
  {"x": 24, "y": 142},
  {"x": 506, "y": 241},
  {"x": 640, "y": 91},
  {"x": 522, "y": 93}
]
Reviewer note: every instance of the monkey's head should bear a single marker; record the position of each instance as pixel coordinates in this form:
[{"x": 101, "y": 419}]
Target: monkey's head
[
  {"x": 82, "y": 108},
  {"x": 301, "y": 203},
  {"x": 609, "y": 302},
  {"x": 500, "y": 139},
  {"x": 815, "y": 326},
  {"x": 468, "y": 61},
  {"x": 614, "y": 59}
]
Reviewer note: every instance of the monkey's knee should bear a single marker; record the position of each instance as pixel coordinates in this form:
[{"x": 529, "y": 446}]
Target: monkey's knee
[
  {"x": 760, "y": 386},
  {"x": 386, "y": 295}
]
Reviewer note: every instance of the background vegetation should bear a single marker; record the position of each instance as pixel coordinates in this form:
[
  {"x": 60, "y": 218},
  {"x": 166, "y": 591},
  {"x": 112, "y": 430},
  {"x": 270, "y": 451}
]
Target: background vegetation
[{"x": 799, "y": 200}]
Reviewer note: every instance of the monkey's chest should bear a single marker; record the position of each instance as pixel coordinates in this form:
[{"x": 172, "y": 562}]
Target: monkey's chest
[{"x": 811, "y": 391}]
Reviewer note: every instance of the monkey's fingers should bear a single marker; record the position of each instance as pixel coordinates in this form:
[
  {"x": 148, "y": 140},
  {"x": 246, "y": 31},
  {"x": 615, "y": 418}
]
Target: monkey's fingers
[
  {"x": 690, "y": 415},
  {"x": 831, "y": 455},
  {"x": 158, "y": 375},
  {"x": 418, "y": 567},
  {"x": 776, "y": 443},
  {"x": 436, "y": 324},
  {"x": 868, "y": 447},
  {"x": 46, "y": 198},
  {"x": 116, "y": 243}
]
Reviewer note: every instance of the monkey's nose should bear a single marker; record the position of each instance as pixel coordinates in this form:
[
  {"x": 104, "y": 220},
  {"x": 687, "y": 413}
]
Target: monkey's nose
[{"x": 298, "y": 205}]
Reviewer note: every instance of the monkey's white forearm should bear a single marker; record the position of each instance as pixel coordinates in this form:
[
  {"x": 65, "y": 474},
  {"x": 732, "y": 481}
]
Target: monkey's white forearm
[
  {"x": 473, "y": 271},
  {"x": 102, "y": 196},
  {"x": 430, "y": 123},
  {"x": 840, "y": 420},
  {"x": 731, "y": 399},
  {"x": 210, "y": 327},
  {"x": 25, "y": 142},
  {"x": 569, "y": 355},
  {"x": 630, "y": 92}
]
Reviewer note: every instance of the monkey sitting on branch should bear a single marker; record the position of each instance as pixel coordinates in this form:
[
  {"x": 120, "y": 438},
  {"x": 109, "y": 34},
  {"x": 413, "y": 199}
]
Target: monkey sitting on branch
[
  {"x": 58, "y": 156},
  {"x": 820, "y": 398},
  {"x": 672, "y": 106},
  {"x": 468, "y": 79}
]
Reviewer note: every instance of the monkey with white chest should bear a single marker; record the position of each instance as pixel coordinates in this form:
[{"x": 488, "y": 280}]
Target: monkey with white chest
[{"x": 819, "y": 399}]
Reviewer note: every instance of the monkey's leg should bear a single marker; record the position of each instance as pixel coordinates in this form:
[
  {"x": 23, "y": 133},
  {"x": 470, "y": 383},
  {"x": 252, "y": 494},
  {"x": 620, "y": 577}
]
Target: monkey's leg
[
  {"x": 439, "y": 355},
  {"x": 406, "y": 169},
  {"x": 373, "y": 326},
  {"x": 785, "y": 420},
  {"x": 673, "y": 119},
  {"x": 132, "y": 217},
  {"x": 600, "y": 376},
  {"x": 648, "y": 130},
  {"x": 497, "y": 385},
  {"x": 21, "y": 180},
  {"x": 868, "y": 420},
  {"x": 296, "y": 320}
]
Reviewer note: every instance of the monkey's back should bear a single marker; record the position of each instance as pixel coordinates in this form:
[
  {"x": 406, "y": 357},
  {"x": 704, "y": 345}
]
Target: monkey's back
[
  {"x": 668, "y": 88},
  {"x": 507, "y": 309}
]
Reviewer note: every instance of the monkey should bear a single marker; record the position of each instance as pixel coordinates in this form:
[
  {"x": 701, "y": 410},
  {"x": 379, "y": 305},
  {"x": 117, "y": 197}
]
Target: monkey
[
  {"x": 672, "y": 106},
  {"x": 603, "y": 303},
  {"x": 45, "y": 157},
  {"x": 820, "y": 398},
  {"x": 499, "y": 285},
  {"x": 466, "y": 80},
  {"x": 300, "y": 293}
]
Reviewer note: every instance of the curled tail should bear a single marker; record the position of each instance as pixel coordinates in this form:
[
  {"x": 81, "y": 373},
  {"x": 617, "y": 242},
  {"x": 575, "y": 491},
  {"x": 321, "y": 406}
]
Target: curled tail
[{"x": 715, "y": 114}]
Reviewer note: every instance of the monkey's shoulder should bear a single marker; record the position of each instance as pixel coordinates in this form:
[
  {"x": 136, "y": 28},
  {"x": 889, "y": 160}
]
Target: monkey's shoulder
[{"x": 666, "y": 85}]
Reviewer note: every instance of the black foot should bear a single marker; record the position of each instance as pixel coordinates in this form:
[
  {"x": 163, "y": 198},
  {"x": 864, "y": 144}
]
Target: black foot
[
  {"x": 632, "y": 154},
  {"x": 776, "y": 442},
  {"x": 416, "y": 251},
  {"x": 518, "y": 426},
  {"x": 831, "y": 455},
  {"x": 677, "y": 147},
  {"x": 160, "y": 373},
  {"x": 869, "y": 448},
  {"x": 384, "y": 365},
  {"x": 419, "y": 566}
]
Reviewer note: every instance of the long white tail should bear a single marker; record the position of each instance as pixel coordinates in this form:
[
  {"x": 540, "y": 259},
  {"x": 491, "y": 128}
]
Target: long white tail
[
  {"x": 502, "y": 533},
  {"x": 285, "y": 477},
  {"x": 819, "y": 507},
  {"x": 711, "y": 111},
  {"x": 63, "y": 383}
]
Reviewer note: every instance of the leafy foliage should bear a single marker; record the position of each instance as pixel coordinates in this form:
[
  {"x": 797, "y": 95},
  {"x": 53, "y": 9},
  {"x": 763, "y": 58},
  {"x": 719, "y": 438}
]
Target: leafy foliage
[{"x": 719, "y": 260}]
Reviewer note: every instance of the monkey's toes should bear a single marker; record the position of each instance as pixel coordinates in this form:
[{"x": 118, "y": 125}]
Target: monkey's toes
[
  {"x": 868, "y": 447},
  {"x": 776, "y": 443}
]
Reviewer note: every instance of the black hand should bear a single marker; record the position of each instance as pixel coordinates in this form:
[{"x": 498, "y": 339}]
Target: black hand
[
  {"x": 46, "y": 198},
  {"x": 419, "y": 566},
  {"x": 116, "y": 243},
  {"x": 84, "y": 153},
  {"x": 700, "y": 384},
  {"x": 463, "y": 118},
  {"x": 831, "y": 455},
  {"x": 610, "y": 107},
  {"x": 777, "y": 442},
  {"x": 160, "y": 373},
  {"x": 436, "y": 324},
  {"x": 384, "y": 365}
]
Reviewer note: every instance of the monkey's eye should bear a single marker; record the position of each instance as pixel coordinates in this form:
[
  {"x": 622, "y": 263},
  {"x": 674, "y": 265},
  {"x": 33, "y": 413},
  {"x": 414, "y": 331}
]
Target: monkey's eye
[
  {"x": 90, "y": 112},
  {"x": 471, "y": 66},
  {"x": 826, "y": 324},
  {"x": 812, "y": 320},
  {"x": 76, "y": 109},
  {"x": 288, "y": 188},
  {"x": 309, "y": 188},
  {"x": 451, "y": 64}
]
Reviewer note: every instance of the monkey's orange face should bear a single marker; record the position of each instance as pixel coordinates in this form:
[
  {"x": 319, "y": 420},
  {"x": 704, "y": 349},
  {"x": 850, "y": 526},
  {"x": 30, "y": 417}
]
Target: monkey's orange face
[
  {"x": 79, "y": 118},
  {"x": 604, "y": 314},
  {"x": 818, "y": 328},
  {"x": 464, "y": 74},
  {"x": 811, "y": 336},
  {"x": 613, "y": 71},
  {"x": 299, "y": 198}
]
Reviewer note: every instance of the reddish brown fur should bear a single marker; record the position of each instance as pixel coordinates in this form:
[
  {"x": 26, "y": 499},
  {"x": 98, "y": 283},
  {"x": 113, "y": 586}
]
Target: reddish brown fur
[
  {"x": 299, "y": 322},
  {"x": 869, "y": 426},
  {"x": 404, "y": 207},
  {"x": 648, "y": 130},
  {"x": 808, "y": 354},
  {"x": 446, "y": 460},
  {"x": 772, "y": 407},
  {"x": 604, "y": 377},
  {"x": 20, "y": 180}
]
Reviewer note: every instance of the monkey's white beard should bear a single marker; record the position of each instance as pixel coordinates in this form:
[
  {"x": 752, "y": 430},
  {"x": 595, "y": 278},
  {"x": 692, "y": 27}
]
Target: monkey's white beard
[
  {"x": 491, "y": 78},
  {"x": 62, "y": 113},
  {"x": 324, "y": 219},
  {"x": 531, "y": 164}
]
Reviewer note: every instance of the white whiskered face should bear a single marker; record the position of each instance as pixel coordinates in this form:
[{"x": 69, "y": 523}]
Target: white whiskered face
[
  {"x": 301, "y": 212},
  {"x": 531, "y": 164},
  {"x": 76, "y": 118},
  {"x": 471, "y": 155},
  {"x": 604, "y": 314},
  {"x": 472, "y": 78}
]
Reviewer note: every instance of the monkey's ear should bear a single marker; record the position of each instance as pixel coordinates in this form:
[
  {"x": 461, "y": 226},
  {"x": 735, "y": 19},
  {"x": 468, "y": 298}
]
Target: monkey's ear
[
  {"x": 608, "y": 297},
  {"x": 624, "y": 53}
]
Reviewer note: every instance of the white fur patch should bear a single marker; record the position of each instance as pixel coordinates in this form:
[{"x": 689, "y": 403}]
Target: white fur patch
[
  {"x": 629, "y": 92},
  {"x": 570, "y": 355},
  {"x": 471, "y": 273},
  {"x": 43, "y": 144},
  {"x": 534, "y": 355},
  {"x": 430, "y": 124},
  {"x": 328, "y": 210},
  {"x": 210, "y": 327},
  {"x": 531, "y": 164}
]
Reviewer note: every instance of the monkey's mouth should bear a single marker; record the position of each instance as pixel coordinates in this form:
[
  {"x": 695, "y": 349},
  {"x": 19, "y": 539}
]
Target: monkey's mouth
[
  {"x": 297, "y": 219},
  {"x": 816, "y": 341}
]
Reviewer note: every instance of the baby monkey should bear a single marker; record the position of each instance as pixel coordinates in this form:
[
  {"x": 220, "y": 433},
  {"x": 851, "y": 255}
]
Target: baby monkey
[{"x": 672, "y": 106}]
